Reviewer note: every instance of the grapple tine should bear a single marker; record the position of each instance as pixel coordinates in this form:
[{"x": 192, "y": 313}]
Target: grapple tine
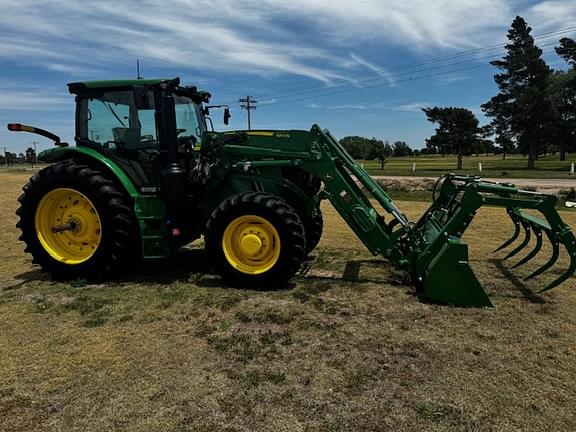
[
  {"x": 525, "y": 242},
  {"x": 565, "y": 276},
  {"x": 537, "y": 247},
  {"x": 507, "y": 243},
  {"x": 555, "y": 254}
]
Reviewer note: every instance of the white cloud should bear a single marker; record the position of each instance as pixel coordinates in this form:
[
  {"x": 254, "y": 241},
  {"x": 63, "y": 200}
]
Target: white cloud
[
  {"x": 35, "y": 99},
  {"x": 67, "y": 68},
  {"x": 383, "y": 73},
  {"x": 194, "y": 34},
  {"x": 89, "y": 38},
  {"x": 440, "y": 81},
  {"x": 551, "y": 15},
  {"x": 349, "y": 107},
  {"x": 418, "y": 24},
  {"x": 412, "y": 107}
]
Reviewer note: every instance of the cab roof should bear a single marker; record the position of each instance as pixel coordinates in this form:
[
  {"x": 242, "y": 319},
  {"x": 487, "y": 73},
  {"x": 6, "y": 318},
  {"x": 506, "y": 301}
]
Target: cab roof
[{"x": 88, "y": 86}]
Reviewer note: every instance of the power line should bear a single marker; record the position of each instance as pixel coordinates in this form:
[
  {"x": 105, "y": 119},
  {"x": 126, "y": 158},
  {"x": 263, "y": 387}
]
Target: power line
[
  {"x": 390, "y": 77},
  {"x": 410, "y": 78},
  {"x": 249, "y": 104},
  {"x": 350, "y": 80},
  {"x": 390, "y": 82},
  {"x": 346, "y": 80}
]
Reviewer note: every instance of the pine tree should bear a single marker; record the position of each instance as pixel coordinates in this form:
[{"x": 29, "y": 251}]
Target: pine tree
[
  {"x": 567, "y": 50},
  {"x": 562, "y": 94},
  {"x": 521, "y": 109}
]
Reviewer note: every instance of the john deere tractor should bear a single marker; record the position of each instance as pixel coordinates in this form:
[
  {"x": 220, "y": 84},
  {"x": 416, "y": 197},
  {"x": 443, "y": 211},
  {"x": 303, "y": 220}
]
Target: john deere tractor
[{"x": 148, "y": 175}]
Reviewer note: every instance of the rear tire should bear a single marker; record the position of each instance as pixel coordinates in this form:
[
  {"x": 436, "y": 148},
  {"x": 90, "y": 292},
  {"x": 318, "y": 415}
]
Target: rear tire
[
  {"x": 255, "y": 240},
  {"x": 309, "y": 183},
  {"x": 99, "y": 231}
]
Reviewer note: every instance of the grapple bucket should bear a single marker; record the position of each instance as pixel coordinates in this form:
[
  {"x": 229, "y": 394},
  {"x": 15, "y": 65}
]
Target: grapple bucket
[{"x": 440, "y": 258}]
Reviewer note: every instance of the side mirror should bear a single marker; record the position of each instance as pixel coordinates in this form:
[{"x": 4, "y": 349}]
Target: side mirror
[{"x": 226, "y": 116}]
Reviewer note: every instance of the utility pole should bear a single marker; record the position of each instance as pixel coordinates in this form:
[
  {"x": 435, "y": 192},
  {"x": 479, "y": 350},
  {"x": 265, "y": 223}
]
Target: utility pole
[
  {"x": 248, "y": 103},
  {"x": 35, "y": 153}
]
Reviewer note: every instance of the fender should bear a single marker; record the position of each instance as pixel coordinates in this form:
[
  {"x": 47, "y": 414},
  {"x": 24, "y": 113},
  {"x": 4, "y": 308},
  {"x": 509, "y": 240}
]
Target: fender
[
  {"x": 62, "y": 153},
  {"x": 149, "y": 210}
]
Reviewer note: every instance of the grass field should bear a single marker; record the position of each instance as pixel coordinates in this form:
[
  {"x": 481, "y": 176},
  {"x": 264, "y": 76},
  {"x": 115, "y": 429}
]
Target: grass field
[
  {"x": 493, "y": 166},
  {"x": 435, "y": 165},
  {"x": 348, "y": 346}
]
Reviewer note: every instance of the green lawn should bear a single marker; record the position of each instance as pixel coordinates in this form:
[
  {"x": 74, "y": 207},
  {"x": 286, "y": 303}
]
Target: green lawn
[
  {"x": 435, "y": 165},
  {"x": 493, "y": 166}
]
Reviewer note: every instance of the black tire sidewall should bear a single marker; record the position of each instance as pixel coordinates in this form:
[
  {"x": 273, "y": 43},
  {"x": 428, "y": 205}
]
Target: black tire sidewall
[
  {"x": 272, "y": 278},
  {"x": 314, "y": 225},
  {"x": 95, "y": 266}
]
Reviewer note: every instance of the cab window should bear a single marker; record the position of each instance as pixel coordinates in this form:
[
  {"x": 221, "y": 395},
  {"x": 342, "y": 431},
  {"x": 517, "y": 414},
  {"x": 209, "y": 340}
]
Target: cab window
[
  {"x": 187, "y": 116},
  {"x": 113, "y": 121}
]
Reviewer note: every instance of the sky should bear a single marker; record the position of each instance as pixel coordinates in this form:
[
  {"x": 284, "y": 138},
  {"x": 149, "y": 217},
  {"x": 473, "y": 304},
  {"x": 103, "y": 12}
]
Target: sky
[{"x": 356, "y": 67}]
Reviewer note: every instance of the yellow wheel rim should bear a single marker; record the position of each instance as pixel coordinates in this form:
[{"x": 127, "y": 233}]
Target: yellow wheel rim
[
  {"x": 68, "y": 226},
  {"x": 251, "y": 244}
]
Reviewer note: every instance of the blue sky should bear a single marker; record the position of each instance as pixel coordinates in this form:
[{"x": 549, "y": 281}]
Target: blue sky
[{"x": 339, "y": 63}]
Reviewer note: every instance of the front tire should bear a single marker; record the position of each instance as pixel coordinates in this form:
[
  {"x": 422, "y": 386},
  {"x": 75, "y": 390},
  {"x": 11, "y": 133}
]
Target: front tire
[
  {"x": 255, "y": 240},
  {"x": 76, "y": 223}
]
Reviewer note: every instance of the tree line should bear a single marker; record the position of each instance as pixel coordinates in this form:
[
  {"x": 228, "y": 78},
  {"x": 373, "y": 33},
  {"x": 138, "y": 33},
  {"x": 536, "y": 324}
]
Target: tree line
[
  {"x": 375, "y": 149},
  {"x": 9, "y": 158}
]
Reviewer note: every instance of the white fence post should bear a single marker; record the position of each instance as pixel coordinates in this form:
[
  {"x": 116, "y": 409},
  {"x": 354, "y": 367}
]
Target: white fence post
[
  {"x": 572, "y": 169},
  {"x": 413, "y": 166},
  {"x": 480, "y": 167}
]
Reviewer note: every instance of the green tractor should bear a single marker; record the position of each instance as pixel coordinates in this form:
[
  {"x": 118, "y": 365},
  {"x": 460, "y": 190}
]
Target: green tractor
[{"x": 148, "y": 175}]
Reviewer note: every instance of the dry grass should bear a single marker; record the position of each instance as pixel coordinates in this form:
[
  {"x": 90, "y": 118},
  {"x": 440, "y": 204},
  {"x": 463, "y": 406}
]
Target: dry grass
[{"x": 347, "y": 347}]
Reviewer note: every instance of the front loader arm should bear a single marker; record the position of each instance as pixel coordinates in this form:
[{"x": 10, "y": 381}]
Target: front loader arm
[
  {"x": 431, "y": 249},
  {"x": 349, "y": 189},
  {"x": 346, "y": 185}
]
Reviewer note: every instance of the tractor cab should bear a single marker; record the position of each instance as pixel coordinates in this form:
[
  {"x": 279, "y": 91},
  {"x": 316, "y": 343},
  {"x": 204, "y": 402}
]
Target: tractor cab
[
  {"x": 143, "y": 125},
  {"x": 126, "y": 117}
]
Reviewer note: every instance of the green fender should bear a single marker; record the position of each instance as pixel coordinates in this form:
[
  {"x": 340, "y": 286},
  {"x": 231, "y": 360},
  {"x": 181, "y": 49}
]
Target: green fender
[
  {"x": 61, "y": 153},
  {"x": 149, "y": 210}
]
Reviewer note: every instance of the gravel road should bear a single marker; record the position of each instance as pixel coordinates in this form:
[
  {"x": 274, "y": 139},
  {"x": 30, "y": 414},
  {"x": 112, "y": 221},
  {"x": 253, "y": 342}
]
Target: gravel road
[{"x": 541, "y": 185}]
